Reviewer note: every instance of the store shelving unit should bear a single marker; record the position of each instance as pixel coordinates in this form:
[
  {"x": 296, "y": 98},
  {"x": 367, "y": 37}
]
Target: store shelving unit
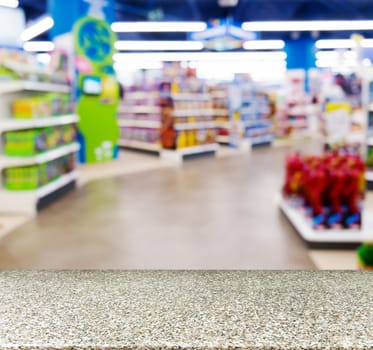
[
  {"x": 255, "y": 112},
  {"x": 291, "y": 121},
  {"x": 30, "y": 201},
  {"x": 140, "y": 121},
  {"x": 219, "y": 95},
  {"x": 194, "y": 124},
  {"x": 367, "y": 96},
  {"x": 332, "y": 238}
]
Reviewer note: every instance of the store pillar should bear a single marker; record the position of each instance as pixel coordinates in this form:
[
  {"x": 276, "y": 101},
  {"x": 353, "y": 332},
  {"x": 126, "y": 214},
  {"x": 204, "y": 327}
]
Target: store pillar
[{"x": 82, "y": 29}]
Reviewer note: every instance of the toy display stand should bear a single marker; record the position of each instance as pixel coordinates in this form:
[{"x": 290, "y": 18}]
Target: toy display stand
[
  {"x": 30, "y": 201},
  {"x": 330, "y": 238}
]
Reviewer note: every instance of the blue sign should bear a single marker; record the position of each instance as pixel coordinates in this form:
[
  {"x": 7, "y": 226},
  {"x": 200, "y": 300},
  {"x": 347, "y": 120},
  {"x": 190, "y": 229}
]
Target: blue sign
[{"x": 222, "y": 35}]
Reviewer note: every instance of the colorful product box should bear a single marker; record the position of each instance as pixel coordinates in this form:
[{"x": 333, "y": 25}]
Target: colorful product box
[
  {"x": 26, "y": 143},
  {"x": 35, "y": 176}
]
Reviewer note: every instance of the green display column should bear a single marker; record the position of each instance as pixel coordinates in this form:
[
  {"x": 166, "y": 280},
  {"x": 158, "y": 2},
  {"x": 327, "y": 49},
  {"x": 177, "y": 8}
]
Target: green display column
[{"x": 96, "y": 87}]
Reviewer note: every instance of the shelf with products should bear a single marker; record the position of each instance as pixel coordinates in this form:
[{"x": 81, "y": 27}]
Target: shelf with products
[
  {"x": 220, "y": 101},
  {"x": 38, "y": 134},
  {"x": 188, "y": 128},
  {"x": 291, "y": 118},
  {"x": 323, "y": 197},
  {"x": 24, "y": 67},
  {"x": 255, "y": 115},
  {"x": 139, "y": 119}
]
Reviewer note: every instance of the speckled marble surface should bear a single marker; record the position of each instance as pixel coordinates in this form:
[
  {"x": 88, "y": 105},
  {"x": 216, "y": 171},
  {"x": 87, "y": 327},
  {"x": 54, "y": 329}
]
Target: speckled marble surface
[{"x": 186, "y": 310}]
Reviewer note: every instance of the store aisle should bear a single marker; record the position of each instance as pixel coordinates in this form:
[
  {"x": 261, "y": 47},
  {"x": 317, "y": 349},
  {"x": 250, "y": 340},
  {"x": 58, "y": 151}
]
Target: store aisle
[{"x": 208, "y": 214}]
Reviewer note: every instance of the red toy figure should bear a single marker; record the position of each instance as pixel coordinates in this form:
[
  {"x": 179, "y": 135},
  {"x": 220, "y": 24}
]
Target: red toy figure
[
  {"x": 294, "y": 168},
  {"x": 314, "y": 183}
]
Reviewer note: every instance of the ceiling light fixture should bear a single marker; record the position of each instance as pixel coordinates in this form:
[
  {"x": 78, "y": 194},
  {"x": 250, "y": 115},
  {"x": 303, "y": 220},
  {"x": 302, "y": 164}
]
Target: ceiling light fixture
[
  {"x": 37, "y": 28},
  {"x": 342, "y": 43},
  {"x": 335, "y": 55},
  {"x": 130, "y": 27},
  {"x": 143, "y": 45},
  {"x": 201, "y": 56},
  {"x": 9, "y": 3},
  {"x": 264, "y": 45},
  {"x": 38, "y": 46},
  {"x": 297, "y": 26}
]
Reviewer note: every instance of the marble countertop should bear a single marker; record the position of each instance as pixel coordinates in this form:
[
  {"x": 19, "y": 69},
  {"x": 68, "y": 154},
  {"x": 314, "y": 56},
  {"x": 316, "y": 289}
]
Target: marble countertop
[{"x": 186, "y": 310}]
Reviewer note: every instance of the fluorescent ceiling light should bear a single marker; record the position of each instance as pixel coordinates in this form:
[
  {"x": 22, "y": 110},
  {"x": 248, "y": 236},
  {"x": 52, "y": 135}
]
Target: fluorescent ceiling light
[
  {"x": 335, "y": 44},
  {"x": 143, "y": 45},
  {"x": 128, "y": 27},
  {"x": 342, "y": 43},
  {"x": 264, "y": 45},
  {"x": 296, "y": 26},
  {"x": 335, "y": 63},
  {"x": 38, "y": 46},
  {"x": 9, "y": 3},
  {"x": 335, "y": 55},
  {"x": 201, "y": 56},
  {"x": 38, "y": 28}
]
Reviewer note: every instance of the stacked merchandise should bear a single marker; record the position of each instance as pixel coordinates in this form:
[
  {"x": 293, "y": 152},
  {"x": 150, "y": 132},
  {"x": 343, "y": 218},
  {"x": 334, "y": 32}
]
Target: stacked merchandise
[
  {"x": 139, "y": 118},
  {"x": 255, "y": 115},
  {"x": 219, "y": 95},
  {"x": 291, "y": 114},
  {"x": 35, "y": 176},
  {"x": 187, "y": 114},
  {"x": 38, "y": 132},
  {"x": 23, "y": 66},
  {"x": 42, "y": 105},
  {"x": 327, "y": 189},
  {"x": 343, "y": 119},
  {"x": 28, "y": 143}
]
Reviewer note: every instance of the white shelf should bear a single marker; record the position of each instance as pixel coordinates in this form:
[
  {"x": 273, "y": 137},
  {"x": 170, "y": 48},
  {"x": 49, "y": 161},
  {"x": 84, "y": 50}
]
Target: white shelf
[
  {"x": 369, "y": 175},
  {"x": 192, "y": 126},
  {"x": 249, "y": 123},
  {"x": 20, "y": 124},
  {"x": 25, "y": 69},
  {"x": 305, "y": 229},
  {"x": 26, "y": 201},
  {"x": 222, "y": 139},
  {"x": 221, "y": 112},
  {"x": 20, "y": 85},
  {"x": 182, "y": 113},
  {"x": 146, "y": 146},
  {"x": 138, "y": 95},
  {"x": 370, "y": 141},
  {"x": 8, "y": 162},
  {"x": 56, "y": 185},
  {"x": 257, "y": 140},
  {"x": 177, "y": 155},
  {"x": 184, "y": 96},
  {"x": 356, "y": 137},
  {"x": 139, "y": 109},
  {"x": 135, "y": 123}
]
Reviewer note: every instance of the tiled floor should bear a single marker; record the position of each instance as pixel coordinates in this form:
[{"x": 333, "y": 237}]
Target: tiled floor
[{"x": 209, "y": 213}]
